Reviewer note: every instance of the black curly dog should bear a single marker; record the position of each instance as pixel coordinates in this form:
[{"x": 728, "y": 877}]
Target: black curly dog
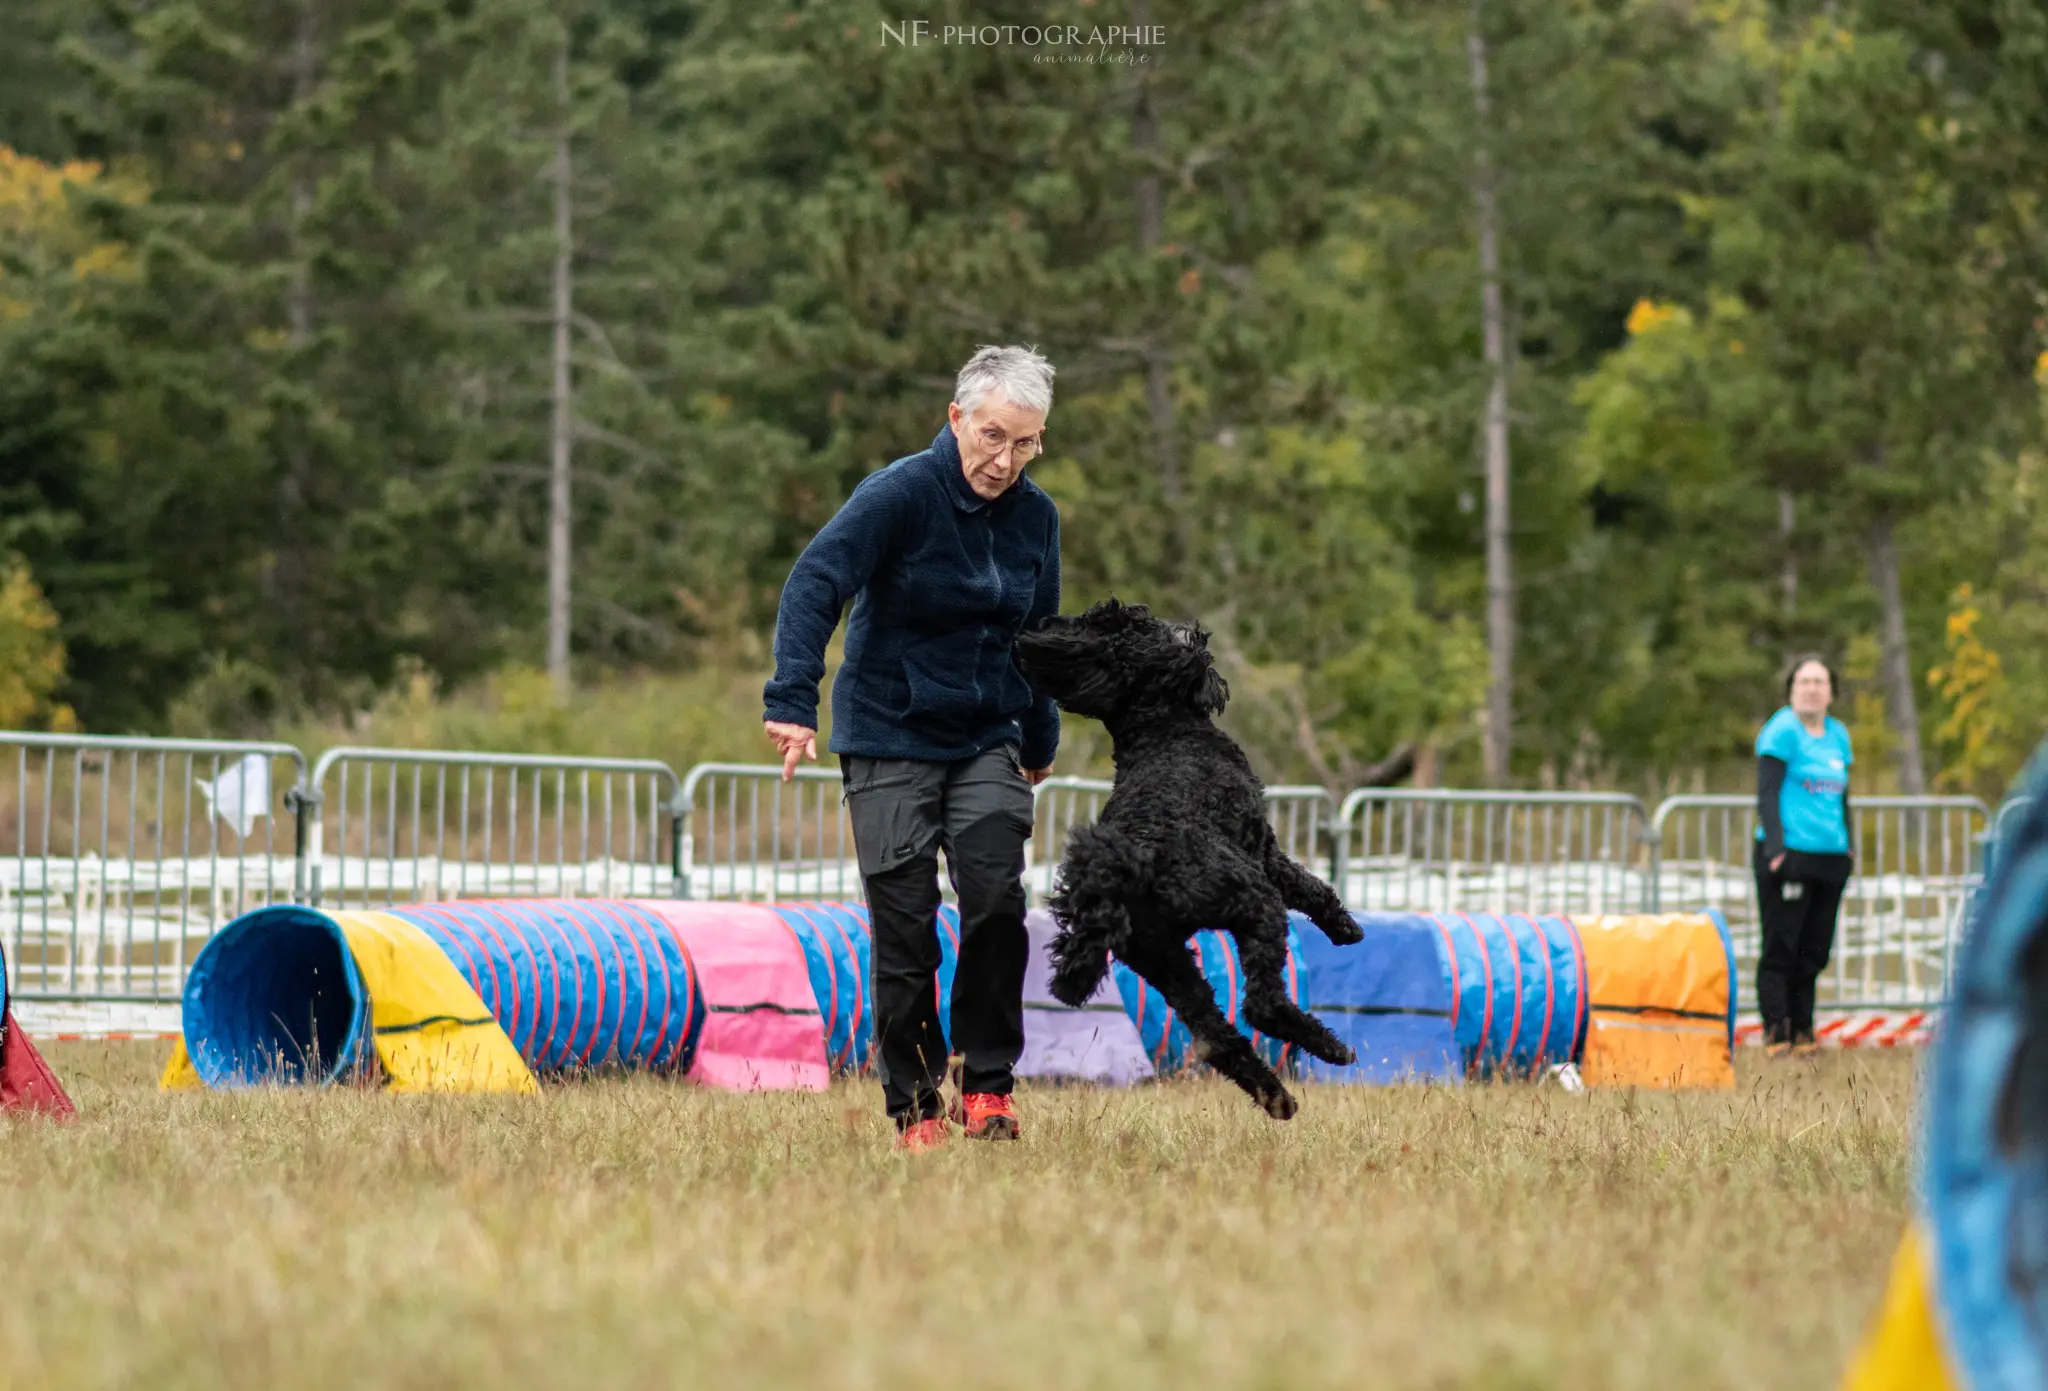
[{"x": 1182, "y": 845}]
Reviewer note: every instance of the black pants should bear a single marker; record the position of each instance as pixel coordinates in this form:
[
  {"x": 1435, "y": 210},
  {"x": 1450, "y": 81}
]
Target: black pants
[
  {"x": 1798, "y": 903},
  {"x": 903, "y": 811}
]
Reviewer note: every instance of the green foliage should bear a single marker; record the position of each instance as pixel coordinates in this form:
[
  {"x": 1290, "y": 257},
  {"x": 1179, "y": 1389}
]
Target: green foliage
[{"x": 275, "y": 391}]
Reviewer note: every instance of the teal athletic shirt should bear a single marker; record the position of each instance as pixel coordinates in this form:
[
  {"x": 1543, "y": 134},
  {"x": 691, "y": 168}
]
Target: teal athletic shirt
[{"x": 1816, "y": 776}]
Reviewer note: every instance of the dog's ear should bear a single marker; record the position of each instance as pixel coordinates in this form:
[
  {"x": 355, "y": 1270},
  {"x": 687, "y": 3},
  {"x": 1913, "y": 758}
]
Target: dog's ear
[{"x": 1195, "y": 674}]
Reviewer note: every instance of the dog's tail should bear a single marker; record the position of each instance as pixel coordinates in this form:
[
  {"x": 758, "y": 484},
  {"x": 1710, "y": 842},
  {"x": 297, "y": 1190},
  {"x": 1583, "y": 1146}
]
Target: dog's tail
[{"x": 1101, "y": 872}]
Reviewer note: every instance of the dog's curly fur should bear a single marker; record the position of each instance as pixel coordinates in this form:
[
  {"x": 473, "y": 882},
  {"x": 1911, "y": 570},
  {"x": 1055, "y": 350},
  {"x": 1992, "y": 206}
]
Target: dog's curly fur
[{"x": 1183, "y": 843}]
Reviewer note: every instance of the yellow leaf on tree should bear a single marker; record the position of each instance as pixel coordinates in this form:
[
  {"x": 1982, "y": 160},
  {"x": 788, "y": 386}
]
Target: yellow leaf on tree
[
  {"x": 31, "y": 656},
  {"x": 1649, "y": 315}
]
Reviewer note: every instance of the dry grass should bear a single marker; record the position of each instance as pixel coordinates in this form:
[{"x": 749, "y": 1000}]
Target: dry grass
[{"x": 640, "y": 1234}]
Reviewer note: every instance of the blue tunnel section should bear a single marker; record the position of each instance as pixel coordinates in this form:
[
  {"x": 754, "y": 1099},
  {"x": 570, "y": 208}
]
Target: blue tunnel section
[
  {"x": 837, "y": 948},
  {"x": 1166, "y": 1038},
  {"x": 838, "y": 944},
  {"x": 576, "y": 983},
  {"x": 1389, "y": 998},
  {"x": 1450, "y": 995},
  {"x": 275, "y": 997},
  {"x": 1425, "y": 996},
  {"x": 1984, "y": 1162}
]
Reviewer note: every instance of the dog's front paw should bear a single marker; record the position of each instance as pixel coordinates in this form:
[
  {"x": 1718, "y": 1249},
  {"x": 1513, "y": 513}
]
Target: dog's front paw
[
  {"x": 1338, "y": 1055},
  {"x": 1280, "y": 1104},
  {"x": 1342, "y": 929}
]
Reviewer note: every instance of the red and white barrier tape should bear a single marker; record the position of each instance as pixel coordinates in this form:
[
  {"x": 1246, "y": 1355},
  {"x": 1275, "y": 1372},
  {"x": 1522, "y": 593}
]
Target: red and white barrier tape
[
  {"x": 103, "y": 1037},
  {"x": 1859, "y": 1030}
]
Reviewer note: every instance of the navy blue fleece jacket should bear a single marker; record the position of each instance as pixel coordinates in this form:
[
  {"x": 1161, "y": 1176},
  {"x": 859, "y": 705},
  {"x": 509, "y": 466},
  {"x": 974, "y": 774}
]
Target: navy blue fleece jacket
[{"x": 942, "y": 581}]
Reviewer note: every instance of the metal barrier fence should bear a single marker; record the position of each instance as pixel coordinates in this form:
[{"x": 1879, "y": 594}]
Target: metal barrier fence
[
  {"x": 1301, "y": 817},
  {"x": 1903, "y": 908},
  {"x": 119, "y": 856},
  {"x": 1446, "y": 850},
  {"x": 1058, "y": 806},
  {"x": 411, "y": 825},
  {"x": 748, "y": 834},
  {"x": 1305, "y": 819}
]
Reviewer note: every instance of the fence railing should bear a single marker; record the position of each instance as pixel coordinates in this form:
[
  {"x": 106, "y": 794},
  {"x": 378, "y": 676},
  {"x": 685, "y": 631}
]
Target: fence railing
[
  {"x": 1447, "y": 850},
  {"x": 391, "y": 826},
  {"x": 1305, "y": 819},
  {"x": 748, "y": 834},
  {"x": 1058, "y": 805},
  {"x": 119, "y": 856},
  {"x": 1903, "y": 909}
]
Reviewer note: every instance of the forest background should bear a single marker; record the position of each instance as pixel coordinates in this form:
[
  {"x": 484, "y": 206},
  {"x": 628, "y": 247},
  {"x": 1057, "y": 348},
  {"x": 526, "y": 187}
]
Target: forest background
[{"x": 1512, "y": 387}]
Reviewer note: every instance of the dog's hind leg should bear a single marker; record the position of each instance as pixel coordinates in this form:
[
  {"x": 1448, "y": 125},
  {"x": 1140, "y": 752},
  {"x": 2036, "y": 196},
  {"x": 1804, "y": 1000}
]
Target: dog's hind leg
[
  {"x": 1099, "y": 869},
  {"x": 1306, "y": 892},
  {"x": 1170, "y": 969},
  {"x": 1262, "y": 947}
]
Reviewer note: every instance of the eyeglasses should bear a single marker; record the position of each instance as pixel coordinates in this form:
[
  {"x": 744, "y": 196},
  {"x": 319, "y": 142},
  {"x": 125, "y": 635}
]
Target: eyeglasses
[{"x": 996, "y": 442}]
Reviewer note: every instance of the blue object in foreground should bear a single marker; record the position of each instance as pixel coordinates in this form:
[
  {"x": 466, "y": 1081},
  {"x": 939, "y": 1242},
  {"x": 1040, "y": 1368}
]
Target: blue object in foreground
[{"x": 1984, "y": 1161}]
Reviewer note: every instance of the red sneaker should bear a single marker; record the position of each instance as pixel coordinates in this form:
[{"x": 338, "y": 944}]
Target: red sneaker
[
  {"x": 986, "y": 1116},
  {"x": 922, "y": 1135}
]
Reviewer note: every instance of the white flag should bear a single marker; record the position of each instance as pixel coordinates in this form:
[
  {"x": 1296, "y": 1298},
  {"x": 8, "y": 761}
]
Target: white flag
[{"x": 241, "y": 794}]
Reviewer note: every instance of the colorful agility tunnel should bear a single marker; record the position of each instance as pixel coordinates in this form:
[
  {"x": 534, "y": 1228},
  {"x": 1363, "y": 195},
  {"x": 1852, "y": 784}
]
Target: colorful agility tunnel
[
  {"x": 1447, "y": 995},
  {"x": 286, "y": 993},
  {"x": 739, "y": 995},
  {"x": 1968, "y": 1305},
  {"x": 1167, "y": 1041},
  {"x": 1661, "y": 1000},
  {"x": 838, "y": 945}
]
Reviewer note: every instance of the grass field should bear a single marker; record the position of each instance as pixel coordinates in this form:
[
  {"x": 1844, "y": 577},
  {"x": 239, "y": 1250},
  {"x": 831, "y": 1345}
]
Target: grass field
[{"x": 642, "y": 1234}]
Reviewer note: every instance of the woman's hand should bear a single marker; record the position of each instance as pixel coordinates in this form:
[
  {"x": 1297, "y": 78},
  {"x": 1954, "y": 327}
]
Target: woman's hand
[
  {"x": 1035, "y": 776},
  {"x": 793, "y": 741}
]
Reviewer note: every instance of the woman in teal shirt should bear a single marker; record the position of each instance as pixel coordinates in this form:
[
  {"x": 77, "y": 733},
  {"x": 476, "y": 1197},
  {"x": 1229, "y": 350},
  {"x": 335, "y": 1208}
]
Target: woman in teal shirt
[{"x": 1803, "y": 850}]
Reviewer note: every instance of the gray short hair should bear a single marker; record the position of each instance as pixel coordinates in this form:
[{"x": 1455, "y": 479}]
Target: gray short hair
[{"x": 1024, "y": 378}]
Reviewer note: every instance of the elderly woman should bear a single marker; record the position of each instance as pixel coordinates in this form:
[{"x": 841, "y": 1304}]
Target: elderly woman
[
  {"x": 947, "y": 555},
  {"x": 1803, "y": 852}
]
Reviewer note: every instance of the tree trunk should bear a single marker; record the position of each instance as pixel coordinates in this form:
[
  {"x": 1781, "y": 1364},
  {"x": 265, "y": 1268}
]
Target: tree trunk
[
  {"x": 288, "y": 574},
  {"x": 564, "y": 401},
  {"x": 1900, "y": 698},
  {"x": 1151, "y": 205},
  {"x": 1500, "y": 593},
  {"x": 1789, "y": 579}
]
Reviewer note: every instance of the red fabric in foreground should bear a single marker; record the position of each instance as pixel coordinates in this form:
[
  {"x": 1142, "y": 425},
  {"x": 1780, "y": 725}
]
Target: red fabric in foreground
[
  {"x": 762, "y": 1027},
  {"x": 26, "y": 1082}
]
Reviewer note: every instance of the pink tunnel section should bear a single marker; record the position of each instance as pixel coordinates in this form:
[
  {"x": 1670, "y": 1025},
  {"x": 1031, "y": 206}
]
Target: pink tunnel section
[{"x": 762, "y": 1028}]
